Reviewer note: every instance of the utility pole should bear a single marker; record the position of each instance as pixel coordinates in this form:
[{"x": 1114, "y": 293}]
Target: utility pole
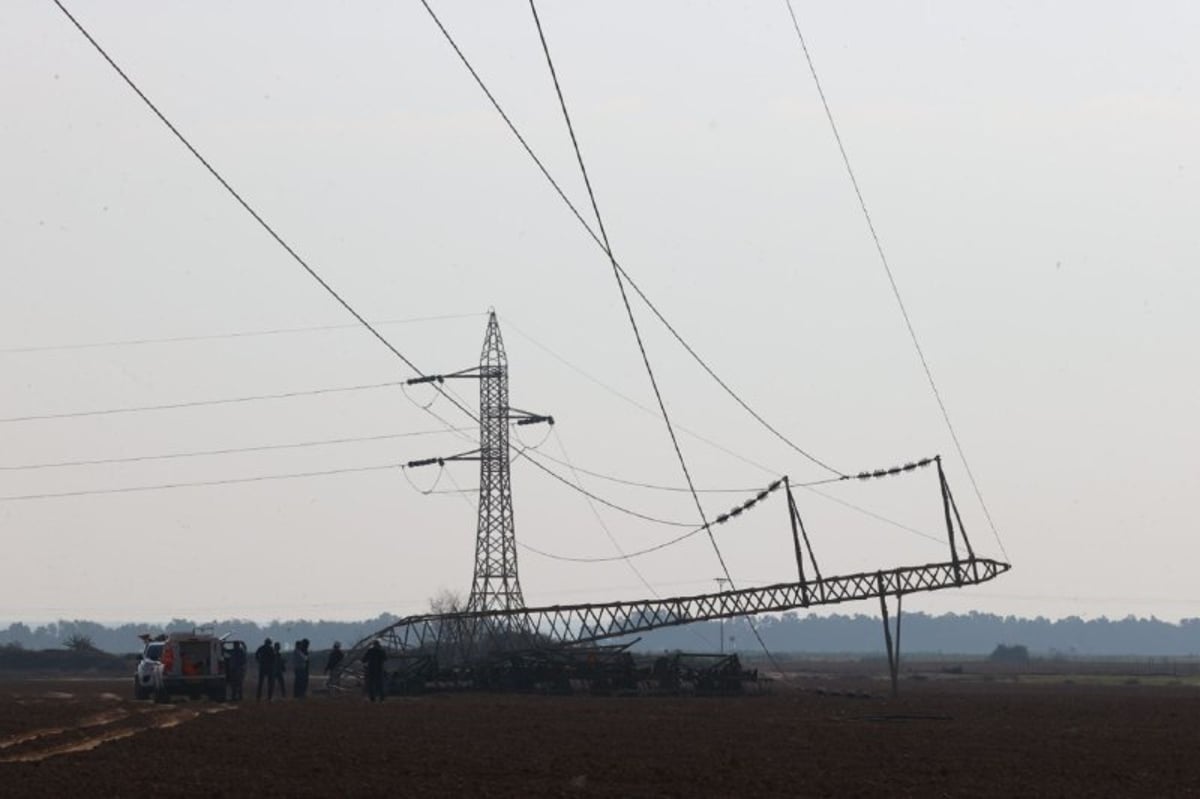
[{"x": 721, "y": 583}]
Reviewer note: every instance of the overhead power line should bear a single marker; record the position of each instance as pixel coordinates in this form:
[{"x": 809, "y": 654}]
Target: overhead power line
[
  {"x": 810, "y": 486},
  {"x": 362, "y": 321},
  {"x": 679, "y": 539},
  {"x": 132, "y": 342},
  {"x": 351, "y": 310},
  {"x": 612, "y": 478},
  {"x": 309, "y": 269},
  {"x": 623, "y": 556},
  {"x": 199, "y": 483},
  {"x": 634, "y": 403},
  {"x": 200, "y": 403},
  {"x": 600, "y": 242},
  {"x": 633, "y": 322},
  {"x": 234, "y": 193},
  {"x": 227, "y": 451},
  {"x": 734, "y": 513},
  {"x": 637, "y": 334},
  {"x": 872, "y": 514},
  {"x": 600, "y": 519},
  {"x": 592, "y": 497},
  {"x": 604, "y": 525},
  {"x": 887, "y": 268}
]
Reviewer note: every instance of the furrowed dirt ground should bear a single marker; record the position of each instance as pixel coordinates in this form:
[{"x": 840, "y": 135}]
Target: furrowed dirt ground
[{"x": 943, "y": 737}]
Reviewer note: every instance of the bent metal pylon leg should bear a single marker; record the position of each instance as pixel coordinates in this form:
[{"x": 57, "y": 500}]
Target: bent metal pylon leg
[{"x": 893, "y": 649}]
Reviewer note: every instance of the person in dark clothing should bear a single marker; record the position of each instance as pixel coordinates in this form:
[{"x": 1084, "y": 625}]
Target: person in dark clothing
[
  {"x": 235, "y": 670},
  {"x": 300, "y": 669},
  {"x": 334, "y": 661},
  {"x": 264, "y": 656},
  {"x": 375, "y": 657},
  {"x": 336, "y": 656},
  {"x": 280, "y": 666},
  {"x": 332, "y": 664}
]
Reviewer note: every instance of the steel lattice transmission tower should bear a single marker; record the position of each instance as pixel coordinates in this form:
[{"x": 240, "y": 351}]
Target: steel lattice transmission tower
[{"x": 496, "y": 585}]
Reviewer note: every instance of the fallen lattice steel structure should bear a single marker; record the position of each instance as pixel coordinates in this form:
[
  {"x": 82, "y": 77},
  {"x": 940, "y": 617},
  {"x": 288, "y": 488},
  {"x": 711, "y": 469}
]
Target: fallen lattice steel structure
[{"x": 460, "y": 639}]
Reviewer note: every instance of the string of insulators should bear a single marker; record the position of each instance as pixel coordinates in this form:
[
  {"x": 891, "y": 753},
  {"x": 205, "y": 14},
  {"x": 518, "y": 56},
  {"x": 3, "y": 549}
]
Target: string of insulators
[
  {"x": 748, "y": 504},
  {"x": 908, "y": 467},
  {"x": 426, "y": 462},
  {"x": 535, "y": 419}
]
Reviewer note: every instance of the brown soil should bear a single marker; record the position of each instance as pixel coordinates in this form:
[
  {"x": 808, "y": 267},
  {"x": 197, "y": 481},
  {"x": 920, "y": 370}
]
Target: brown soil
[{"x": 960, "y": 738}]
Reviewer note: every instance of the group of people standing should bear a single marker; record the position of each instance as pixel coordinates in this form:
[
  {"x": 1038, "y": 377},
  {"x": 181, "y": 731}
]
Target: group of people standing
[{"x": 272, "y": 663}]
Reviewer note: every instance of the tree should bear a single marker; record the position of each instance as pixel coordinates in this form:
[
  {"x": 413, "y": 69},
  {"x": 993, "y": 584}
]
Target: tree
[
  {"x": 447, "y": 601},
  {"x": 1017, "y": 653},
  {"x": 78, "y": 642}
]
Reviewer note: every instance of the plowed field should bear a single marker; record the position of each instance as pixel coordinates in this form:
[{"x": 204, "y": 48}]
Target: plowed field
[{"x": 939, "y": 739}]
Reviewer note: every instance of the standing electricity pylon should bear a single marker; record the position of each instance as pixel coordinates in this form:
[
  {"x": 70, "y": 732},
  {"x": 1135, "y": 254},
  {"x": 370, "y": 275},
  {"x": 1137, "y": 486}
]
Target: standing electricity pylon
[{"x": 496, "y": 585}]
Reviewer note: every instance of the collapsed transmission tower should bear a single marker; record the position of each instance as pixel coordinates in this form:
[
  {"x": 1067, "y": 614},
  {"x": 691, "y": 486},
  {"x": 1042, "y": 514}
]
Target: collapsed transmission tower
[{"x": 496, "y": 622}]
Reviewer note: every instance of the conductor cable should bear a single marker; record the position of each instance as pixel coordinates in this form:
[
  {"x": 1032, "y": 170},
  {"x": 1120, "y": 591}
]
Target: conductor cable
[
  {"x": 305, "y": 265},
  {"x": 632, "y": 320}
]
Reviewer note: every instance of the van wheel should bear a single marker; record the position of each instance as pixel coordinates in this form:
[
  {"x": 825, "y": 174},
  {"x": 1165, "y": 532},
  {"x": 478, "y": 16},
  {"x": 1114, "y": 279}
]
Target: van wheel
[
  {"x": 161, "y": 697},
  {"x": 139, "y": 693}
]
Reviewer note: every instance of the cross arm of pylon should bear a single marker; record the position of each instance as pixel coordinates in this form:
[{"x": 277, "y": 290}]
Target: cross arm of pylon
[
  {"x": 526, "y": 417},
  {"x": 471, "y": 373},
  {"x": 470, "y": 455}
]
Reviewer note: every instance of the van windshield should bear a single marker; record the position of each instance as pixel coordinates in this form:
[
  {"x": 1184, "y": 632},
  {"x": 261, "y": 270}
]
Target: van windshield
[{"x": 153, "y": 652}]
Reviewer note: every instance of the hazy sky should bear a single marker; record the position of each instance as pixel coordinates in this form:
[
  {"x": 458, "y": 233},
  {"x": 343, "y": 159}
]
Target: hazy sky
[{"x": 1031, "y": 168}]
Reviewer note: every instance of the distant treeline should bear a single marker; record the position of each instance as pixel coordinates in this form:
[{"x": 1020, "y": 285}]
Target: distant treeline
[
  {"x": 950, "y": 633},
  {"x": 124, "y": 638},
  {"x": 966, "y": 634}
]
